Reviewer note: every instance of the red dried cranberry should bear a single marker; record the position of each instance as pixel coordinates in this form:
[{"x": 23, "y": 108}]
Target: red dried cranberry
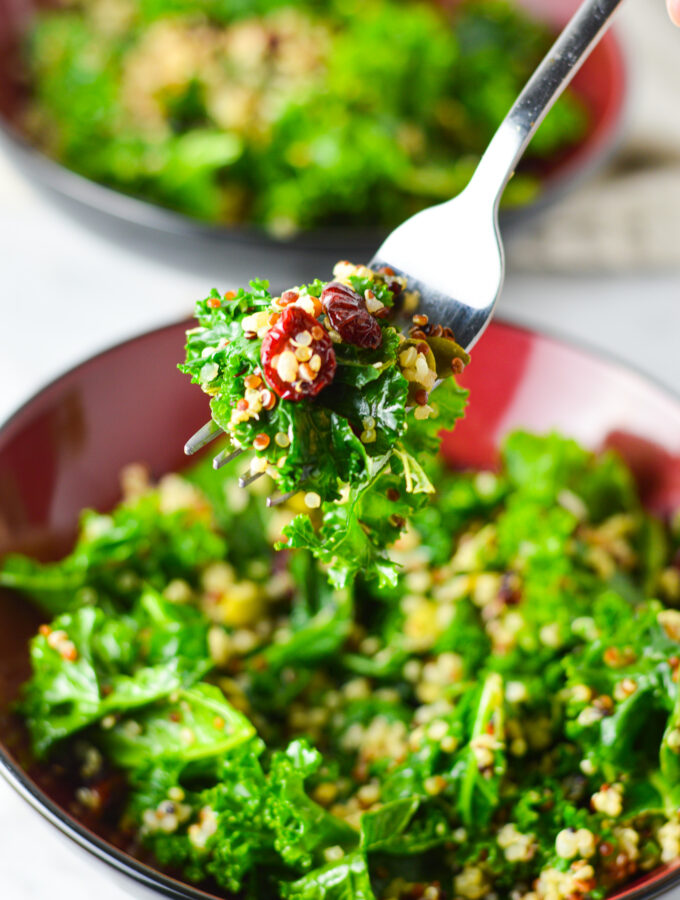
[
  {"x": 347, "y": 313},
  {"x": 297, "y": 355}
]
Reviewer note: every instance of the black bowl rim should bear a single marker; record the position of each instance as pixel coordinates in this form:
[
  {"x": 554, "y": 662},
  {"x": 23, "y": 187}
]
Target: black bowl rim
[
  {"x": 116, "y": 204},
  {"x": 157, "y": 880}
]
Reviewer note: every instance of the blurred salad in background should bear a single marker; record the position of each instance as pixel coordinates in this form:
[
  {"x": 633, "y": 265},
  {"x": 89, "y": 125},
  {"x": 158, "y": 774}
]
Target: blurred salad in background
[{"x": 288, "y": 116}]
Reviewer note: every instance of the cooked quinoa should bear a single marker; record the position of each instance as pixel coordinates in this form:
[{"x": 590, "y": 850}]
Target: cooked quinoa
[
  {"x": 503, "y": 722},
  {"x": 286, "y": 115}
]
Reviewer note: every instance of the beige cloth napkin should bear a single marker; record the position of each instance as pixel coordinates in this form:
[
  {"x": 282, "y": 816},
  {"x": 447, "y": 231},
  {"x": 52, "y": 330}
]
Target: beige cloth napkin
[{"x": 628, "y": 217}]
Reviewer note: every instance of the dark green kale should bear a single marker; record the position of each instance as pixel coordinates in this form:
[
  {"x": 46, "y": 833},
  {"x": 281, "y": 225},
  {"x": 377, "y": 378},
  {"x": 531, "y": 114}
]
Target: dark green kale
[
  {"x": 192, "y": 724},
  {"x": 87, "y": 665},
  {"x": 251, "y": 814}
]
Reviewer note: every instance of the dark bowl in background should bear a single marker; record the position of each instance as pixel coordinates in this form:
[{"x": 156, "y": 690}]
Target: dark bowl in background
[
  {"x": 601, "y": 84},
  {"x": 64, "y": 449}
]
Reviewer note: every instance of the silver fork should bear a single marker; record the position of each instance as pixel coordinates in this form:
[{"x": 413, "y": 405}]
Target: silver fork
[{"x": 453, "y": 253}]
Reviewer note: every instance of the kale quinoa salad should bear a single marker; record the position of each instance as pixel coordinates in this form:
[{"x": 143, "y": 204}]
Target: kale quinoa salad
[
  {"x": 502, "y": 721},
  {"x": 288, "y": 116},
  {"x": 332, "y": 401},
  {"x": 400, "y": 683}
]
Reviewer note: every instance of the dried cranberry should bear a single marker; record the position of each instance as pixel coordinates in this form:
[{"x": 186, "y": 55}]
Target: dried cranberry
[
  {"x": 297, "y": 355},
  {"x": 347, "y": 313}
]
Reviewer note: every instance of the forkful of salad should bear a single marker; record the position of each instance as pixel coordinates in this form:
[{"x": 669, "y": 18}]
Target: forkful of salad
[{"x": 332, "y": 383}]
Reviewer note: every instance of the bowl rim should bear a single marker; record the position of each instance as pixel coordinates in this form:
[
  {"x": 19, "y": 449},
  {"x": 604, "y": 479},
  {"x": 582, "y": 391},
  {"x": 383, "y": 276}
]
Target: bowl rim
[
  {"x": 586, "y": 158},
  {"x": 155, "y": 879}
]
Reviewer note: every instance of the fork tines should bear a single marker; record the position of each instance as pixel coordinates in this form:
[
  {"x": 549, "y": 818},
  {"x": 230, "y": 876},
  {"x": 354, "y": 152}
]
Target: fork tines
[
  {"x": 205, "y": 434},
  {"x": 208, "y": 433},
  {"x": 225, "y": 456}
]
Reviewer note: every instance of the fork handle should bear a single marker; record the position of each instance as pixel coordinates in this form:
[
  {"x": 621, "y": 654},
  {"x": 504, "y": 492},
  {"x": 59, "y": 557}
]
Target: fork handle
[{"x": 545, "y": 86}]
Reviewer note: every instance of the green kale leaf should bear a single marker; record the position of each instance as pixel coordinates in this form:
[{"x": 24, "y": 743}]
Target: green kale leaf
[{"x": 86, "y": 666}]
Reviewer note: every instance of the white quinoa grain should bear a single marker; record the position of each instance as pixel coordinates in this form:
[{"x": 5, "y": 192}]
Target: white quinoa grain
[
  {"x": 368, "y": 794},
  {"x": 628, "y": 840},
  {"x": 570, "y": 843},
  {"x": 407, "y": 358},
  {"x": 412, "y": 670},
  {"x": 608, "y": 800},
  {"x": 258, "y": 465},
  {"x": 303, "y": 354},
  {"x": 287, "y": 366},
  {"x": 471, "y": 883},
  {"x": 437, "y": 730},
  {"x": 516, "y": 692},
  {"x": 434, "y": 785},
  {"x": 219, "y": 645},
  {"x": 589, "y": 716},
  {"x": 669, "y": 840},
  {"x": 178, "y": 591},
  {"x": 573, "y": 503},
  {"x": 485, "y": 483},
  {"x": 550, "y": 635},
  {"x": 669, "y": 619},
  {"x": 201, "y": 831},
  {"x": 357, "y": 689},
  {"x": 373, "y": 305},
  {"x": 422, "y": 412}
]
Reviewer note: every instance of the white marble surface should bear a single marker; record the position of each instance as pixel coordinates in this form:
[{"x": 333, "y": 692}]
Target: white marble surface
[{"x": 67, "y": 290}]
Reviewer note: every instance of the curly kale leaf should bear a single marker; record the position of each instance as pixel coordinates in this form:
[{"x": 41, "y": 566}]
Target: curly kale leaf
[
  {"x": 358, "y": 367},
  {"x": 261, "y": 818},
  {"x": 629, "y": 736},
  {"x": 301, "y": 826},
  {"x": 423, "y": 438},
  {"x": 382, "y": 399},
  {"x": 354, "y": 534},
  {"x": 235, "y": 798},
  {"x": 141, "y": 541},
  {"x": 347, "y": 879},
  {"x": 344, "y": 543},
  {"x": 541, "y": 467},
  {"x": 379, "y": 828},
  {"x": 669, "y": 757},
  {"x": 196, "y": 724},
  {"x": 218, "y": 353},
  {"x": 87, "y": 665}
]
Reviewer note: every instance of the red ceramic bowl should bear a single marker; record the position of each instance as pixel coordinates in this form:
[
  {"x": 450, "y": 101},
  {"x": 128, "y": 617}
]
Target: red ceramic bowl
[
  {"x": 64, "y": 449},
  {"x": 601, "y": 84}
]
